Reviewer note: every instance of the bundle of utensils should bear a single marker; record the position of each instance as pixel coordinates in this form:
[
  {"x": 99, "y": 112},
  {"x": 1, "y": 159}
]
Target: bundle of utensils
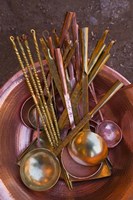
[{"x": 70, "y": 78}]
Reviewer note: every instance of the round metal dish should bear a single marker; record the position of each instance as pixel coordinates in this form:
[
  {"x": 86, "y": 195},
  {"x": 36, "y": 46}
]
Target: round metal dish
[{"x": 76, "y": 170}]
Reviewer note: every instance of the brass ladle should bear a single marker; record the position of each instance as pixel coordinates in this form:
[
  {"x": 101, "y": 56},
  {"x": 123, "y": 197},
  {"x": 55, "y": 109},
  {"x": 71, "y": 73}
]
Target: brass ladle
[
  {"x": 116, "y": 86},
  {"x": 87, "y": 148},
  {"x": 52, "y": 143}
]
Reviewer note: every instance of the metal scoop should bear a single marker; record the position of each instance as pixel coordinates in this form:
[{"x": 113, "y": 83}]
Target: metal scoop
[{"x": 107, "y": 129}]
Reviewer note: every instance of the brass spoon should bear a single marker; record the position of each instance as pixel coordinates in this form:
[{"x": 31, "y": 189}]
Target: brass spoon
[
  {"x": 107, "y": 129},
  {"x": 99, "y": 146},
  {"x": 87, "y": 148},
  {"x": 52, "y": 143}
]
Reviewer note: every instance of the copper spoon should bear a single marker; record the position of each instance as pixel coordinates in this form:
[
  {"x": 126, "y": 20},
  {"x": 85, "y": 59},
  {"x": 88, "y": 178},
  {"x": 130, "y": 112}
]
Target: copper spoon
[{"x": 107, "y": 129}]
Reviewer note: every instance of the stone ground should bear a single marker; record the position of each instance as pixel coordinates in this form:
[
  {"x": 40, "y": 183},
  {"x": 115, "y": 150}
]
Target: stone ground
[{"x": 19, "y": 16}]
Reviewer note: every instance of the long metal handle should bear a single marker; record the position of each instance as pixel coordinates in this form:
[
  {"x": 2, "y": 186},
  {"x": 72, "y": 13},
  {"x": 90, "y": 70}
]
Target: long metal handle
[
  {"x": 93, "y": 92},
  {"x": 97, "y": 51},
  {"x": 101, "y": 62},
  {"x": 106, "y": 98},
  {"x": 59, "y": 61},
  {"x": 66, "y": 26},
  {"x": 84, "y": 51},
  {"x": 31, "y": 89}
]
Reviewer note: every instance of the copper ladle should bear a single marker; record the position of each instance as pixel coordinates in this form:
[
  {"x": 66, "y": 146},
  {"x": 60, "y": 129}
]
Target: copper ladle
[{"x": 107, "y": 129}]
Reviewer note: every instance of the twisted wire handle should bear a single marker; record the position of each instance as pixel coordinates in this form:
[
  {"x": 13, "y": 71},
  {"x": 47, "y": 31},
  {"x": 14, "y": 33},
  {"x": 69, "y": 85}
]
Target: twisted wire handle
[
  {"x": 31, "y": 90},
  {"x": 43, "y": 107},
  {"x": 45, "y": 81}
]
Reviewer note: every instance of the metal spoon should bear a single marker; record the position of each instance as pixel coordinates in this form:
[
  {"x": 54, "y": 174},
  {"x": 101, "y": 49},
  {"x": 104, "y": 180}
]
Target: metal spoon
[
  {"x": 51, "y": 141},
  {"x": 87, "y": 148},
  {"x": 107, "y": 129}
]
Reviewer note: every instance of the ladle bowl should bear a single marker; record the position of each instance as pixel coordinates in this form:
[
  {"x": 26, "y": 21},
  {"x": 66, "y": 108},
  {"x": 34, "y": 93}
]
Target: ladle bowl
[
  {"x": 40, "y": 169},
  {"x": 88, "y": 148},
  {"x": 110, "y": 132}
]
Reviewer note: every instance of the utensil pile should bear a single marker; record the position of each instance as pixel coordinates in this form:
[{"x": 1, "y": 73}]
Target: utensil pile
[{"x": 68, "y": 80}]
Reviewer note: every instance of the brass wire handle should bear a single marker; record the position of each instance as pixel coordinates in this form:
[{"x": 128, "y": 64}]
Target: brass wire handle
[
  {"x": 45, "y": 81},
  {"x": 31, "y": 90}
]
